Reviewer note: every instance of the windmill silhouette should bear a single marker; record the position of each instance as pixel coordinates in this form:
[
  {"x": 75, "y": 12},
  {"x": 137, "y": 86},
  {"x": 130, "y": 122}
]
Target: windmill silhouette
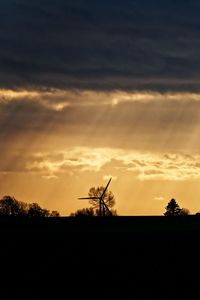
[{"x": 103, "y": 208}]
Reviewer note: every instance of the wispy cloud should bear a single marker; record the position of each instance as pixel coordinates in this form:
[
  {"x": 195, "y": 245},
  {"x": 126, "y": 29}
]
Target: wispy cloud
[{"x": 160, "y": 198}]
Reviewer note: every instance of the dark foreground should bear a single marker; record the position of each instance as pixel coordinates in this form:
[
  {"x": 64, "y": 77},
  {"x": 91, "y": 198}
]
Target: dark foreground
[{"x": 120, "y": 257}]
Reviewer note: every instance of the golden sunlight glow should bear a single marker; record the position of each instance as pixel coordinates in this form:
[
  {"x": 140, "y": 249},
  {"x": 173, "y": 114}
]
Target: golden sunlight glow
[{"x": 150, "y": 152}]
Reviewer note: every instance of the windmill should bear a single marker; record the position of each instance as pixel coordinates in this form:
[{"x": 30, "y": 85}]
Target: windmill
[{"x": 102, "y": 205}]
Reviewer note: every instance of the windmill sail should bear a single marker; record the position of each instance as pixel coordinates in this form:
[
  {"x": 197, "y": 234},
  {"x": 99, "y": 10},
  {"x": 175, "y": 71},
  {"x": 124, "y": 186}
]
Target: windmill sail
[{"x": 106, "y": 188}]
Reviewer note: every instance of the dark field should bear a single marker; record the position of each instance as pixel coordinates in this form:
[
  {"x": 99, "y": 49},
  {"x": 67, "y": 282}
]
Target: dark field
[{"x": 119, "y": 257}]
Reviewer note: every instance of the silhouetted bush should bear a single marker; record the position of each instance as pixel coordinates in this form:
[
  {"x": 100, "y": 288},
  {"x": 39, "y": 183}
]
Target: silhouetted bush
[
  {"x": 85, "y": 212},
  {"x": 184, "y": 212},
  {"x": 89, "y": 212},
  {"x": 54, "y": 213}
]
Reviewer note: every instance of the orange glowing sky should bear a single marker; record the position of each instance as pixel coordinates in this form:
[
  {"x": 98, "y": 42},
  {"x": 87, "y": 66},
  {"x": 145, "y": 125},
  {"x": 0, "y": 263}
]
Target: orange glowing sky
[{"x": 57, "y": 144}]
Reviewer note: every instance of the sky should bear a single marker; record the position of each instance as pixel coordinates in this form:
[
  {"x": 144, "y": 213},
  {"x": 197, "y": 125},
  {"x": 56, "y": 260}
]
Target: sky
[{"x": 94, "y": 89}]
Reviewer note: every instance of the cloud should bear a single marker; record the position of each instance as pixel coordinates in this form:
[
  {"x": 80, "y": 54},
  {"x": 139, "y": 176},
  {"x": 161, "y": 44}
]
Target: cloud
[
  {"x": 159, "y": 198},
  {"x": 76, "y": 159},
  {"x": 143, "y": 166},
  {"x": 100, "y": 45}
]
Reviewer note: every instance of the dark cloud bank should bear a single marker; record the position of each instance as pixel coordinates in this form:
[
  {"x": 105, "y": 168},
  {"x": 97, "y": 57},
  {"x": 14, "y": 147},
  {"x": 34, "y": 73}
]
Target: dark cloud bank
[{"x": 100, "y": 45}]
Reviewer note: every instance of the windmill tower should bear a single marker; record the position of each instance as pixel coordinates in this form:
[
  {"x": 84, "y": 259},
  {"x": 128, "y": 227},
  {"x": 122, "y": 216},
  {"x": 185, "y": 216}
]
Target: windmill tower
[{"x": 103, "y": 208}]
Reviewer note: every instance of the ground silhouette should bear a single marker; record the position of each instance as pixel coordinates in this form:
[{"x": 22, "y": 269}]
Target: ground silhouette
[{"x": 116, "y": 258}]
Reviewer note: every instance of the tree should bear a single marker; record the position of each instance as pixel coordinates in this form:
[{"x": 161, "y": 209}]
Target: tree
[
  {"x": 108, "y": 198},
  {"x": 172, "y": 209},
  {"x": 11, "y": 207}
]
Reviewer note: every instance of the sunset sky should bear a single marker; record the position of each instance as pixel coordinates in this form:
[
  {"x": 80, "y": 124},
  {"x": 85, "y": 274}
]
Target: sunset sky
[{"x": 93, "y": 89}]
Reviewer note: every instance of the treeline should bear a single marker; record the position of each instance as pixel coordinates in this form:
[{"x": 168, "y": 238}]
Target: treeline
[{"x": 9, "y": 206}]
